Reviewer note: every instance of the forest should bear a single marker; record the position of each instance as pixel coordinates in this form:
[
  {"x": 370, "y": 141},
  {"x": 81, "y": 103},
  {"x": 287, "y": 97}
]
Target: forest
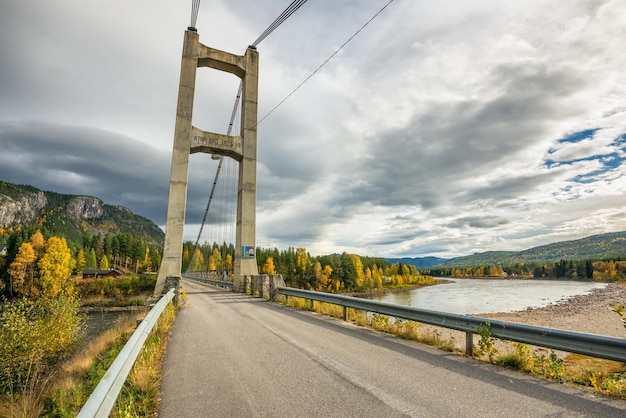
[
  {"x": 121, "y": 251},
  {"x": 352, "y": 273},
  {"x": 598, "y": 270},
  {"x": 329, "y": 273}
]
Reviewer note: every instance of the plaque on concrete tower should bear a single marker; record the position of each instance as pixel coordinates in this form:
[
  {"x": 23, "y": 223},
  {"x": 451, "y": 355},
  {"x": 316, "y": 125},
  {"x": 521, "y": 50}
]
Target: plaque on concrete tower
[{"x": 247, "y": 251}]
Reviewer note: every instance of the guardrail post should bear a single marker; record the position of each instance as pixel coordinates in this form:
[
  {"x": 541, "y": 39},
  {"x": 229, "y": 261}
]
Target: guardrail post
[
  {"x": 469, "y": 344},
  {"x": 345, "y": 313}
]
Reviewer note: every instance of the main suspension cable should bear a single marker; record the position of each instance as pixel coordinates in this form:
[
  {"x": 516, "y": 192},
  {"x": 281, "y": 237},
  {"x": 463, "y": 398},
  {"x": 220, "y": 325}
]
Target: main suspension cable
[
  {"x": 293, "y": 7},
  {"x": 195, "y": 6},
  {"x": 325, "y": 62}
]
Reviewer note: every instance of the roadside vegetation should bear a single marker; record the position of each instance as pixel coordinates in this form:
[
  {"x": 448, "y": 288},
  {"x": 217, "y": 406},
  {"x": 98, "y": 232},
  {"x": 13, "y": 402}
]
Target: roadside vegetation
[
  {"x": 46, "y": 369},
  {"x": 601, "y": 376}
]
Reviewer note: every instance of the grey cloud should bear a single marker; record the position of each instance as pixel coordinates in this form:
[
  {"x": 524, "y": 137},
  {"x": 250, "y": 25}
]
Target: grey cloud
[
  {"x": 75, "y": 160},
  {"x": 511, "y": 188},
  {"x": 479, "y": 222},
  {"x": 421, "y": 163}
]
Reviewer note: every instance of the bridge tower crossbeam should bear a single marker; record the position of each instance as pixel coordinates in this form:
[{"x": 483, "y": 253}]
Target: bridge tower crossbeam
[{"x": 189, "y": 140}]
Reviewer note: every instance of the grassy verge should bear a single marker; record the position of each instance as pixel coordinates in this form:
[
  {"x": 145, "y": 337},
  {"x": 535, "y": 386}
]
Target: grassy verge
[
  {"x": 64, "y": 394},
  {"x": 601, "y": 376}
]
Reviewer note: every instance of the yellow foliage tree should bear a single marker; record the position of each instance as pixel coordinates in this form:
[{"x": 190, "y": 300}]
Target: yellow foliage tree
[
  {"x": 268, "y": 266},
  {"x": 228, "y": 263},
  {"x": 358, "y": 267},
  {"x": 55, "y": 267},
  {"x": 22, "y": 270},
  {"x": 81, "y": 261},
  {"x": 302, "y": 260},
  {"x": 197, "y": 261},
  {"x": 147, "y": 261},
  {"x": 212, "y": 266},
  {"x": 104, "y": 263},
  {"x": 217, "y": 258},
  {"x": 38, "y": 242},
  {"x": 325, "y": 282}
]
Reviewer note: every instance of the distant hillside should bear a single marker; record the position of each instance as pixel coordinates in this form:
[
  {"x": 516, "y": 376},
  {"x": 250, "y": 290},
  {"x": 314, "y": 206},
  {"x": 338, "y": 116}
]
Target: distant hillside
[
  {"x": 419, "y": 262},
  {"x": 595, "y": 247},
  {"x": 70, "y": 215}
]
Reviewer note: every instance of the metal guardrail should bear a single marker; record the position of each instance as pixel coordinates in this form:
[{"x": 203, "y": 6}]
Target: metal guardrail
[
  {"x": 600, "y": 346},
  {"x": 103, "y": 398},
  {"x": 217, "y": 283}
]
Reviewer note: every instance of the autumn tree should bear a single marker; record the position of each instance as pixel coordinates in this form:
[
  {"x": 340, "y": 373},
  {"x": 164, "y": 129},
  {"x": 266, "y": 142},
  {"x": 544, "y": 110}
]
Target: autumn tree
[
  {"x": 228, "y": 263},
  {"x": 302, "y": 265},
  {"x": 217, "y": 258},
  {"x": 325, "y": 281},
  {"x": 359, "y": 278},
  {"x": 197, "y": 261},
  {"x": 38, "y": 242},
  {"x": 22, "y": 270},
  {"x": 104, "y": 263},
  {"x": 147, "y": 261},
  {"x": 368, "y": 281},
  {"x": 377, "y": 277},
  {"x": 268, "y": 266},
  {"x": 212, "y": 266},
  {"x": 55, "y": 267},
  {"x": 81, "y": 261}
]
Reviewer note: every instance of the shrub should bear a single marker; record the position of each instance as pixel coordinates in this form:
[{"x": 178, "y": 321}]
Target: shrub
[{"x": 33, "y": 335}]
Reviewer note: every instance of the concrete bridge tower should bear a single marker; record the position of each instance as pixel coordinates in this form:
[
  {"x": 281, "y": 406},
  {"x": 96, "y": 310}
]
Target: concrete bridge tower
[{"x": 189, "y": 140}]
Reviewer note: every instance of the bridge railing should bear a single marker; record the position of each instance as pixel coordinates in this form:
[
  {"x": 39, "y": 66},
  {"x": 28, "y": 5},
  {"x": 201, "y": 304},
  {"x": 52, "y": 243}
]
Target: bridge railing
[
  {"x": 203, "y": 277},
  {"x": 103, "y": 398},
  {"x": 599, "y": 346}
]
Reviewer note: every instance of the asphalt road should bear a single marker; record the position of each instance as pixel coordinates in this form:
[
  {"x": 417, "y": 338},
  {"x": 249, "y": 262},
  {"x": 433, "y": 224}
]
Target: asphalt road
[{"x": 232, "y": 355}]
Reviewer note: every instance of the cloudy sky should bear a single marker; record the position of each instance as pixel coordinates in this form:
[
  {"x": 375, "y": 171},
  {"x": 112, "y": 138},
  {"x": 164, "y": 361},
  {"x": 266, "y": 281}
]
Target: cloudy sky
[{"x": 444, "y": 128}]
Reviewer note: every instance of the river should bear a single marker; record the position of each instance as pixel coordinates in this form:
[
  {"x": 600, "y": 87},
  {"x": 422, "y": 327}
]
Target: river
[
  {"x": 96, "y": 322},
  {"x": 474, "y": 296}
]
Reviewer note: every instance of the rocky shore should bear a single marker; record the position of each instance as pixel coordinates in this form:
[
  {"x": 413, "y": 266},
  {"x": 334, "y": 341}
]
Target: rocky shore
[{"x": 589, "y": 313}]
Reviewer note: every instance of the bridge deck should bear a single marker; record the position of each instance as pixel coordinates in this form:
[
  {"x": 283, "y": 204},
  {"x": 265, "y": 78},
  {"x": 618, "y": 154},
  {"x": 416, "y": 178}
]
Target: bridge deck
[{"x": 233, "y": 355}]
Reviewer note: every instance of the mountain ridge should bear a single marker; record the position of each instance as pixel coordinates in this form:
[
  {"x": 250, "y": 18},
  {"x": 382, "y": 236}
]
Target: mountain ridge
[
  {"x": 71, "y": 215},
  {"x": 611, "y": 245}
]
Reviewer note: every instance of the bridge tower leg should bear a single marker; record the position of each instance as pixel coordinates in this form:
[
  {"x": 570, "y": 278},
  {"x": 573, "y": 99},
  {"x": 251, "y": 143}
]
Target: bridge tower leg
[{"x": 189, "y": 139}]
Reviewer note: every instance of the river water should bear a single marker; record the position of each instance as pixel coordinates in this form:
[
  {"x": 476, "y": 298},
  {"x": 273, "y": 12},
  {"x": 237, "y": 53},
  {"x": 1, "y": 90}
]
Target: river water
[
  {"x": 96, "y": 322},
  {"x": 473, "y": 296}
]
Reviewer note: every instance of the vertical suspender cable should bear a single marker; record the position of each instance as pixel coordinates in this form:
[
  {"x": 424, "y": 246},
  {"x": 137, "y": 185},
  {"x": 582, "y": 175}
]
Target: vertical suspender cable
[
  {"x": 219, "y": 166},
  {"x": 195, "y": 6}
]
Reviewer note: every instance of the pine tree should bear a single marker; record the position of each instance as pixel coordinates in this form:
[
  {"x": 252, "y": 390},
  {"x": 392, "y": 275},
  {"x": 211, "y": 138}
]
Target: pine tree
[{"x": 91, "y": 259}]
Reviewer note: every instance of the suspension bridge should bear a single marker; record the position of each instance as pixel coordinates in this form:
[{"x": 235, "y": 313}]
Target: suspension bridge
[{"x": 232, "y": 355}]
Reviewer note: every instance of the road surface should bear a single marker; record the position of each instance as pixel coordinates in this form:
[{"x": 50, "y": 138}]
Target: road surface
[{"x": 232, "y": 355}]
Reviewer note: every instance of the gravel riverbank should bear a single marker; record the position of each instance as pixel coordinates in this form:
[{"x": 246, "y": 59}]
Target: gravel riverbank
[{"x": 589, "y": 313}]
